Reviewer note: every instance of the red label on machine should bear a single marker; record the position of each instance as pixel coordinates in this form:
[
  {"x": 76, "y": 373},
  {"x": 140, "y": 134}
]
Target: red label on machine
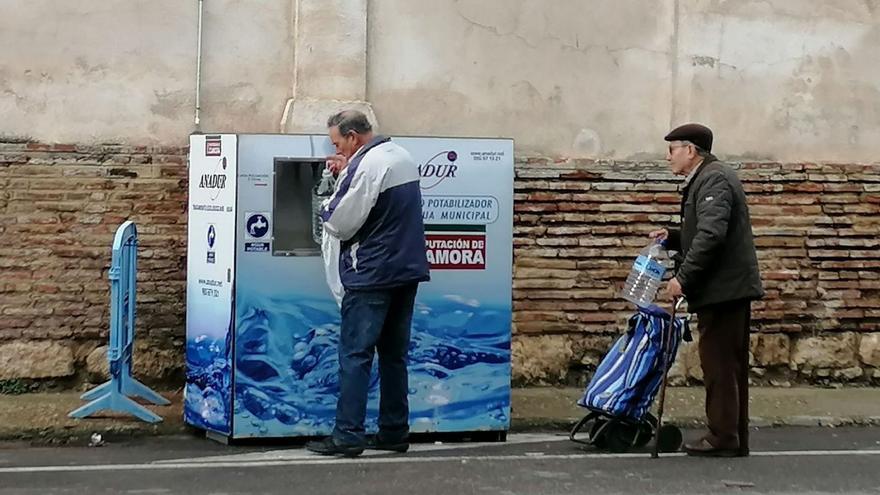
[
  {"x": 213, "y": 146},
  {"x": 456, "y": 251}
]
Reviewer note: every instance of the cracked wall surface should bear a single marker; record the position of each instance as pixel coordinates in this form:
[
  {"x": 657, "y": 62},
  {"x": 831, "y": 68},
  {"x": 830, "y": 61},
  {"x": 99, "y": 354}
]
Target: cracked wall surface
[
  {"x": 584, "y": 78},
  {"x": 781, "y": 79},
  {"x": 787, "y": 80},
  {"x": 125, "y": 70}
]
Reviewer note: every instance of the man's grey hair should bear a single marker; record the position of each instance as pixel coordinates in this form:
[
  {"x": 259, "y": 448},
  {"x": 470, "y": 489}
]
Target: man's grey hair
[
  {"x": 350, "y": 120},
  {"x": 700, "y": 151}
]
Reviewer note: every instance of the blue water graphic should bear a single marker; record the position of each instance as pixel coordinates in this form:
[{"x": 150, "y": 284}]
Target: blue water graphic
[
  {"x": 208, "y": 383},
  {"x": 286, "y": 378}
]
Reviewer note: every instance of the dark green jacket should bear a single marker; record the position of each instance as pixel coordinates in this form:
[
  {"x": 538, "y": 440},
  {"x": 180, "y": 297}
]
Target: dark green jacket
[{"x": 718, "y": 259}]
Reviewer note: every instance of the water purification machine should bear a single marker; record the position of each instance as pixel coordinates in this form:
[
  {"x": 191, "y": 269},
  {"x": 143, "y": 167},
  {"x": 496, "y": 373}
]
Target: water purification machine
[{"x": 262, "y": 326}]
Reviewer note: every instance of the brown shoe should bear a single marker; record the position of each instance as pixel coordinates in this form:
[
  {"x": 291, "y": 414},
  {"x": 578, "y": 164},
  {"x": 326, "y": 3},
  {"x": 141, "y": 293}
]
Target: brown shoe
[{"x": 702, "y": 448}]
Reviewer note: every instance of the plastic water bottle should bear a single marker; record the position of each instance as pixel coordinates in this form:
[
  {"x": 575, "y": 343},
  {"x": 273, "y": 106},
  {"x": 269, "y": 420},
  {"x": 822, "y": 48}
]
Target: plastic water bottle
[
  {"x": 323, "y": 190},
  {"x": 646, "y": 275}
]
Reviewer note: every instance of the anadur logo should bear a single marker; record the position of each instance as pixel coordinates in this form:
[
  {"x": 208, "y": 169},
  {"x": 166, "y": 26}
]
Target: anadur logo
[
  {"x": 216, "y": 181},
  {"x": 434, "y": 171},
  {"x": 213, "y": 181}
]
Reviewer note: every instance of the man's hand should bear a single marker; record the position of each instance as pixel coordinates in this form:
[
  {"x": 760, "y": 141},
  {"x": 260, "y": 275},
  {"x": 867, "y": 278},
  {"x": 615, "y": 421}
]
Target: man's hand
[
  {"x": 673, "y": 289},
  {"x": 336, "y": 163},
  {"x": 659, "y": 235}
]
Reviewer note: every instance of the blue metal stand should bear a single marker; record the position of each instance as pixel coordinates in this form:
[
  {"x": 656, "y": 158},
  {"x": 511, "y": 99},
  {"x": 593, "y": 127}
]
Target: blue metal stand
[{"x": 114, "y": 395}]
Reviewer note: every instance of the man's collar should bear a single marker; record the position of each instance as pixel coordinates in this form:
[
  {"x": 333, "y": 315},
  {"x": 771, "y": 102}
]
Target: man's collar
[
  {"x": 376, "y": 140},
  {"x": 690, "y": 176},
  {"x": 356, "y": 153}
]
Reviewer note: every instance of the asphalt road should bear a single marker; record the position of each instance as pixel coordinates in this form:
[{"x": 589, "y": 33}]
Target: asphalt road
[{"x": 784, "y": 460}]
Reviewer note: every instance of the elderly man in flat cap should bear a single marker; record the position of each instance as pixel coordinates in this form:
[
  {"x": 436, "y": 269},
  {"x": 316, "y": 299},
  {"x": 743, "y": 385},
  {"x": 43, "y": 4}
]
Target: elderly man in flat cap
[{"x": 718, "y": 274}]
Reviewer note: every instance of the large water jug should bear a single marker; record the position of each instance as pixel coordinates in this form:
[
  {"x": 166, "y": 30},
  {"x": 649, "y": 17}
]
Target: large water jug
[{"x": 646, "y": 275}]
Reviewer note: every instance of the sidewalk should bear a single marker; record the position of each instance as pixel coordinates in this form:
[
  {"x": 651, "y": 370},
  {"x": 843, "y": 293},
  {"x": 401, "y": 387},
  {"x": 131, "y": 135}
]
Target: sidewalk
[{"x": 42, "y": 418}]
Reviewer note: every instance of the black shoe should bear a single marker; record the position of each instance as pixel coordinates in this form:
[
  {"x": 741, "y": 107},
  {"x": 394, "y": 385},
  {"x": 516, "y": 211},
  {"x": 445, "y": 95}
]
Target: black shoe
[
  {"x": 376, "y": 443},
  {"x": 702, "y": 448},
  {"x": 328, "y": 447}
]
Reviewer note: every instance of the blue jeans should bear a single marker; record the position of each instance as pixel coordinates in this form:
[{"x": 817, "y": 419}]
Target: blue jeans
[{"x": 374, "y": 321}]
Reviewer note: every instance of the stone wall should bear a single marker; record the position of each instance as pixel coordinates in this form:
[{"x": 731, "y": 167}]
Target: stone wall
[
  {"x": 60, "y": 206},
  {"x": 579, "y": 223}
]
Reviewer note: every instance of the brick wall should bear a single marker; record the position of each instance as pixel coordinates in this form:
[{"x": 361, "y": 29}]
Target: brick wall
[
  {"x": 578, "y": 226},
  {"x": 59, "y": 209}
]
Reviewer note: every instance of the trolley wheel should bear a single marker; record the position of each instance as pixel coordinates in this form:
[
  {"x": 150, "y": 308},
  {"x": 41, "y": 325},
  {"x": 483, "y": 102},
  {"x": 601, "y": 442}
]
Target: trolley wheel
[
  {"x": 621, "y": 437},
  {"x": 669, "y": 438}
]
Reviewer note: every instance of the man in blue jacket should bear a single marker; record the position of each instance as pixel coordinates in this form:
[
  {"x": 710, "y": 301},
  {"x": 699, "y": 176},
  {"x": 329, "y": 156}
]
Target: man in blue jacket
[{"x": 376, "y": 213}]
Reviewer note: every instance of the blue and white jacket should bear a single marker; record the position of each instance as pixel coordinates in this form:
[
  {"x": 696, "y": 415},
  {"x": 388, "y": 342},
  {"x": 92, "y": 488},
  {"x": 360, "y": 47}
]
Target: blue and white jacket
[{"x": 376, "y": 213}]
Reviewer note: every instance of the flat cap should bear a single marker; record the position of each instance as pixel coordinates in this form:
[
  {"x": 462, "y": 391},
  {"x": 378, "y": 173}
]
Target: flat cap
[{"x": 698, "y": 134}]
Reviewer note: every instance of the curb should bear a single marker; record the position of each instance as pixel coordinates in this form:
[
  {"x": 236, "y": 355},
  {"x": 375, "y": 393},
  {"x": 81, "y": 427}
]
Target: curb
[{"x": 81, "y": 435}]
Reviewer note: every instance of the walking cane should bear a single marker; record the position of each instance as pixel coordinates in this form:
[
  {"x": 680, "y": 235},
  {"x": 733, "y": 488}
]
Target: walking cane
[{"x": 676, "y": 302}]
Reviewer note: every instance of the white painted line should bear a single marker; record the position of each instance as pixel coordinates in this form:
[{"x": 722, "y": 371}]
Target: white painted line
[
  {"x": 393, "y": 460},
  {"x": 813, "y": 453},
  {"x": 299, "y": 453}
]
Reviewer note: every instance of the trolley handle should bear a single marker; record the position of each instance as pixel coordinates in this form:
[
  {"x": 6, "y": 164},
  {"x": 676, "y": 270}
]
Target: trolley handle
[
  {"x": 677, "y": 302},
  {"x": 675, "y": 306}
]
